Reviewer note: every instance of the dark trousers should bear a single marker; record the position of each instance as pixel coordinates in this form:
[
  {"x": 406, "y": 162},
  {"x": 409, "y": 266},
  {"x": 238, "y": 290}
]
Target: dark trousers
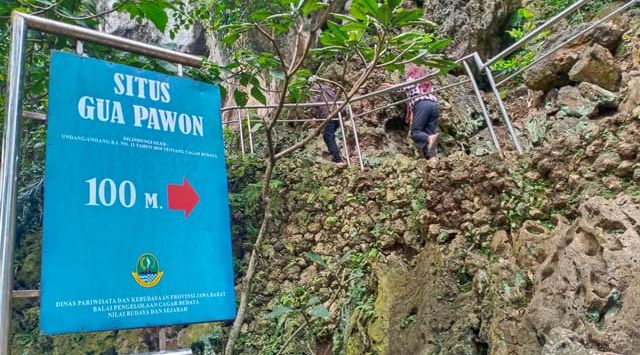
[
  {"x": 425, "y": 121},
  {"x": 329, "y": 136}
]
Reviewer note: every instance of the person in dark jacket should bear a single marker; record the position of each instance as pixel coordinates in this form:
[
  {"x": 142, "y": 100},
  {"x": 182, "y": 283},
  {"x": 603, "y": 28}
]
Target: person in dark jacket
[
  {"x": 422, "y": 111},
  {"x": 322, "y": 92}
]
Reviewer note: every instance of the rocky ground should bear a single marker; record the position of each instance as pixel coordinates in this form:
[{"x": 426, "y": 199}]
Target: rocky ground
[{"x": 531, "y": 255}]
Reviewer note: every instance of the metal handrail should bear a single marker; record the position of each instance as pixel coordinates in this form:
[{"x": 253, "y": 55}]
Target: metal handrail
[
  {"x": 514, "y": 47},
  {"x": 125, "y": 44},
  {"x": 411, "y": 98},
  {"x": 353, "y": 99},
  {"x": 571, "y": 39},
  {"x": 501, "y": 106},
  {"x": 483, "y": 107},
  {"x": 483, "y": 66}
]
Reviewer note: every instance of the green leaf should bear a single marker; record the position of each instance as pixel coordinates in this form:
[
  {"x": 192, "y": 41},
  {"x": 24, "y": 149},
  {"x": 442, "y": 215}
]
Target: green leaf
[
  {"x": 370, "y": 6},
  {"x": 257, "y": 94},
  {"x": 132, "y": 9},
  {"x": 311, "y": 6},
  {"x": 223, "y": 92},
  {"x": 384, "y": 14},
  {"x": 316, "y": 259},
  {"x": 245, "y": 78},
  {"x": 240, "y": 97},
  {"x": 156, "y": 14},
  {"x": 344, "y": 18},
  {"x": 277, "y": 312},
  {"x": 260, "y": 15},
  {"x": 405, "y": 37},
  {"x": 337, "y": 31},
  {"x": 230, "y": 38},
  {"x": 393, "y": 4},
  {"x": 357, "y": 12},
  {"x": 406, "y": 18},
  {"x": 525, "y": 14},
  {"x": 320, "y": 311},
  {"x": 439, "y": 45}
]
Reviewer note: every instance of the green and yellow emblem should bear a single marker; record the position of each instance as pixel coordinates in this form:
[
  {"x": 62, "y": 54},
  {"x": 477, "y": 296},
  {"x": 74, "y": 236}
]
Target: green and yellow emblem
[{"x": 147, "y": 272}]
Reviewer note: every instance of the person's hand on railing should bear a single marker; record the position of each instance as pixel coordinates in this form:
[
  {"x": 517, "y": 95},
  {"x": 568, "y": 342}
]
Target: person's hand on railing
[{"x": 313, "y": 122}]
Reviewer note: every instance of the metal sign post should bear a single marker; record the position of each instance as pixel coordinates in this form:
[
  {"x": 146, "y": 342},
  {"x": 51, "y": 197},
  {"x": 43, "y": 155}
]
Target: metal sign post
[{"x": 9, "y": 173}]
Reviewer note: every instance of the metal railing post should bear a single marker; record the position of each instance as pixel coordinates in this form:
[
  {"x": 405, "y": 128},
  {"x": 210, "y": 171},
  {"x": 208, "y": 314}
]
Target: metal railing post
[
  {"x": 125, "y": 44},
  {"x": 250, "y": 133},
  {"x": 355, "y": 136},
  {"x": 241, "y": 131},
  {"x": 344, "y": 139},
  {"x": 79, "y": 48},
  {"x": 503, "y": 109},
  {"x": 162, "y": 339},
  {"x": 485, "y": 112},
  {"x": 9, "y": 172}
]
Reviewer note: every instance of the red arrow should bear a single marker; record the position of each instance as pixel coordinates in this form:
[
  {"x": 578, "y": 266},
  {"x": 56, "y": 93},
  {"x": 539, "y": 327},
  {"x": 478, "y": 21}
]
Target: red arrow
[{"x": 182, "y": 197}]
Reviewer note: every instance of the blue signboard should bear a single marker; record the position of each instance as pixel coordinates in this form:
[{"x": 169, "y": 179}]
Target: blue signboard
[{"x": 136, "y": 220}]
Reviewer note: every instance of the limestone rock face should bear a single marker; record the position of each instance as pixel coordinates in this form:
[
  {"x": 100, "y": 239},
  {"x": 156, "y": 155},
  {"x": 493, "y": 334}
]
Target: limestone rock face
[
  {"x": 566, "y": 342},
  {"x": 462, "y": 111},
  {"x": 636, "y": 50},
  {"x": 589, "y": 281},
  {"x": 190, "y": 41},
  {"x": 577, "y": 285},
  {"x": 596, "y": 66},
  {"x": 585, "y": 100},
  {"x": 552, "y": 72},
  {"x": 632, "y": 102},
  {"x": 474, "y": 25}
]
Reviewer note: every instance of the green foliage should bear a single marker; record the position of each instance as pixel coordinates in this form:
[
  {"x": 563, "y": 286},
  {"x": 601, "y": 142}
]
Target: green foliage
[
  {"x": 360, "y": 296},
  {"x": 152, "y": 10},
  {"x": 405, "y": 33},
  {"x": 382, "y": 31},
  {"x": 463, "y": 279},
  {"x": 297, "y": 306},
  {"x": 587, "y": 12},
  {"x": 519, "y": 25},
  {"x": 527, "y": 195},
  {"x": 407, "y": 321},
  {"x": 525, "y": 19},
  {"x": 277, "y": 312}
]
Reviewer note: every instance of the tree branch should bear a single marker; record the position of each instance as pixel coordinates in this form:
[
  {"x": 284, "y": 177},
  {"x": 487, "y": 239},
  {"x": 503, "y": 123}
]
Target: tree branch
[
  {"x": 88, "y": 17},
  {"x": 398, "y": 57},
  {"x": 276, "y": 47},
  {"x": 253, "y": 260}
]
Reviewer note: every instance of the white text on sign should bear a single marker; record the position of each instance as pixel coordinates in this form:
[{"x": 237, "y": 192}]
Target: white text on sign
[{"x": 111, "y": 111}]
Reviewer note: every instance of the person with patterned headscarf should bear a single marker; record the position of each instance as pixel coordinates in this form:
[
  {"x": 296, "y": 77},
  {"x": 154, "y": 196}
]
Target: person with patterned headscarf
[{"x": 422, "y": 111}]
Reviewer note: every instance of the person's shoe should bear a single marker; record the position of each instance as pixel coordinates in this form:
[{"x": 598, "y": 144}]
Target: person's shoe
[
  {"x": 432, "y": 145},
  {"x": 341, "y": 165}
]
